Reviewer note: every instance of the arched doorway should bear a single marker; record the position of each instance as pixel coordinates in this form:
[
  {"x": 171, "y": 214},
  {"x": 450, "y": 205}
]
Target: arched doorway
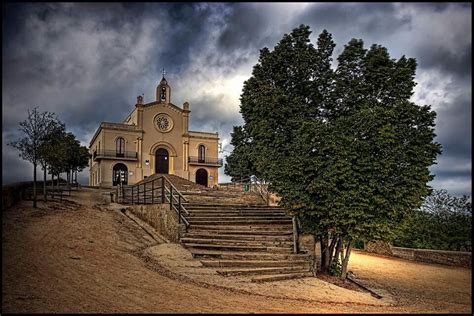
[
  {"x": 201, "y": 177},
  {"x": 120, "y": 174},
  {"x": 161, "y": 161}
]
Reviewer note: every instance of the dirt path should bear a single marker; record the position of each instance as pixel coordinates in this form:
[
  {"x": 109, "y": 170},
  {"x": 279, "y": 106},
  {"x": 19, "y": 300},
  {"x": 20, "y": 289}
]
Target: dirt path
[{"x": 74, "y": 257}]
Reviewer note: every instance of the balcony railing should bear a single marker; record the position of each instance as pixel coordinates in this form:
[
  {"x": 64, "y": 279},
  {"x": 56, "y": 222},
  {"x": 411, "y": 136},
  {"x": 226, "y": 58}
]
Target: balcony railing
[
  {"x": 112, "y": 154},
  {"x": 205, "y": 161}
]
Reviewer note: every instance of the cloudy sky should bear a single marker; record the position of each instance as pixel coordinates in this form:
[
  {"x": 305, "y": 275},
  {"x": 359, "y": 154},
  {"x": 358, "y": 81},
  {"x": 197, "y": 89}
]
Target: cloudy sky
[{"x": 88, "y": 62}]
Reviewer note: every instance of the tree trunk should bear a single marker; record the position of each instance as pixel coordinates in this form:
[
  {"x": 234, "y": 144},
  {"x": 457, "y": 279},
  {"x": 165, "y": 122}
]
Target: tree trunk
[
  {"x": 338, "y": 249},
  {"x": 34, "y": 184},
  {"x": 45, "y": 196},
  {"x": 52, "y": 185},
  {"x": 346, "y": 260},
  {"x": 324, "y": 253},
  {"x": 334, "y": 240}
]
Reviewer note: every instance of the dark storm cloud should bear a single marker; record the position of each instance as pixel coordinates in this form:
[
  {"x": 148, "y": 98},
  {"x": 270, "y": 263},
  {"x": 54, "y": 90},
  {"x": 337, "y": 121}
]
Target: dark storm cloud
[
  {"x": 356, "y": 18},
  {"x": 459, "y": 63},
  {"x": 243, "y": 29}
]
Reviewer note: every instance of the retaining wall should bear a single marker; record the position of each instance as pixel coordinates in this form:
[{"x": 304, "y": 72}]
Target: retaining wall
[
  {"x": 159, "y": 216},
  {"x": 451, "y": 258}
]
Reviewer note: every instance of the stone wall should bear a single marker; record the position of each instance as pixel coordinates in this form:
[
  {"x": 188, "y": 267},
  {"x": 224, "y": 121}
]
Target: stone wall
[
  {"x": 451, "y": 258},
  {"x": 159, "y": 216},
  {"x": 379, "y": 247}
]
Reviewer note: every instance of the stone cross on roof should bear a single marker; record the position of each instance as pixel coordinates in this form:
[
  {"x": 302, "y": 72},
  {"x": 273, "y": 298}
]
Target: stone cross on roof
[{"x": 163, "y": 72}]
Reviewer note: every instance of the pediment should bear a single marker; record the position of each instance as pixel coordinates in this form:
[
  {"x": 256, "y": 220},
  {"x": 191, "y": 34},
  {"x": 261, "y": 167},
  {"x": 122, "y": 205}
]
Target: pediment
[{"x": 166, "y": 105}]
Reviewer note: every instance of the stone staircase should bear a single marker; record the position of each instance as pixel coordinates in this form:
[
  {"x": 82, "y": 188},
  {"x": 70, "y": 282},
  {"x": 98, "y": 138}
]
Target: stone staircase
[
  {"x": 237, "y": 233},
  {"x": 240, "y": 235}
]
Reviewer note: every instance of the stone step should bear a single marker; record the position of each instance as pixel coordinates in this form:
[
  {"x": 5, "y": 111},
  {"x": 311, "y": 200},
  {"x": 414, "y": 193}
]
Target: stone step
[
  {"x": 242, "y": 221},
  {"x": 278, "y": 277},
  {"x": 215, "y": 193},
  {"x": 228, "y": 255},
  {"x": 194, "y": 213},
  {"x": 243, "y": 248},
  {"x": 239, "y": 219},
  {"x": 244, "y": 229},
  {"x": 256, "y": 263},
  {"x": 237, "y": 206},
  {"x": 233, "y": 209},
  {"x": 223, "y": 201},
  {"x": 288, "y": 238},
  {"x": 217, "y": 241},
  {"x": 262, "y": 271}
]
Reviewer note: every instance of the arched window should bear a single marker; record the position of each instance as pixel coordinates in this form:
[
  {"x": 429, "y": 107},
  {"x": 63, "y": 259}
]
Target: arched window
[
  {"x": 201, "y": 153},
  {"x": 120, "y": 147}
]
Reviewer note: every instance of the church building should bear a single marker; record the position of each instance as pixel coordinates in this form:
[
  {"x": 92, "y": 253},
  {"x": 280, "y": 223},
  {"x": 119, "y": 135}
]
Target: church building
[{"x": 153, "y": 138}]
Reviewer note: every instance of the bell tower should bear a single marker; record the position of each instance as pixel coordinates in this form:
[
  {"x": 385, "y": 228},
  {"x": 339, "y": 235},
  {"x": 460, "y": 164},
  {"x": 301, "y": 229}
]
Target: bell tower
[{"x": 163, "y": 91}]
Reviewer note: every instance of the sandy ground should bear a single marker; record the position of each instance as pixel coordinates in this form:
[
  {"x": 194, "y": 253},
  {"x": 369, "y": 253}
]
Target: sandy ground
[{"x": 77, "y": 256}]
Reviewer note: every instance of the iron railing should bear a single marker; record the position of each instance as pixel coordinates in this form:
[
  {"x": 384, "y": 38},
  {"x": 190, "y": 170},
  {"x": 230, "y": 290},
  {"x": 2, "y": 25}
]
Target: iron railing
[
  {"x": 206, "y": 160},
  {"x": 158, "y": 190},
  {"x": 114, "y": 154}
]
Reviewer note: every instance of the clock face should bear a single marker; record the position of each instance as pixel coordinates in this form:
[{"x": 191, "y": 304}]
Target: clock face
[{"x": 163, "y": 123}]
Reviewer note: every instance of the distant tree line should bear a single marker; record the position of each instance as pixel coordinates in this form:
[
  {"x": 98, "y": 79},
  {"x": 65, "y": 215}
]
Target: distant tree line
[
  {"x": 46, "y": 143},
  {"x": 443, "y": 222}
]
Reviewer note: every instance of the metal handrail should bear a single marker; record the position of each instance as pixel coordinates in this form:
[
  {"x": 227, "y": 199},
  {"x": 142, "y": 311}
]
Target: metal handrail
[
  {"x": 177, "y": 191},
  {"x": 255, "y": 183},
  {"x": 205, "y": 160},
  {"x": 164, "y": 194},
  {"x": 169, "y": 182},
  {"x": 176, "y": 199}
]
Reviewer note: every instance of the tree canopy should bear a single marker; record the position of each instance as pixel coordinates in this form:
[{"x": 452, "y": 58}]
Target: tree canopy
[
  {"x": 34, "y": 130},
  {"x": 46, "y": 142},
  {"x": 346, "y": 149}
]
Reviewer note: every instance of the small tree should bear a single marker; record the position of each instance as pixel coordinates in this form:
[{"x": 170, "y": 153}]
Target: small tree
[
  {"x": 34, "y": 128},
  {"x": 239, "y": 162},
  {"x": 82, "y": 160},
  {"x": 47, "y": 148}
]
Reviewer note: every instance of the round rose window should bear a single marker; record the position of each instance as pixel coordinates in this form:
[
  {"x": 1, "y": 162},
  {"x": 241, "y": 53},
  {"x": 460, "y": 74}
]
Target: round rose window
[{"x": 163, "y": 123}]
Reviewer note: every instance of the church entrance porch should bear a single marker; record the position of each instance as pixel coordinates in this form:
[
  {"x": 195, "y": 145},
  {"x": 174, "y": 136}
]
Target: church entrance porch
[
  {"x": 120, "y": 174},
  {"x": 161, "y": 161},
  {"x": 201, "y": 177}
]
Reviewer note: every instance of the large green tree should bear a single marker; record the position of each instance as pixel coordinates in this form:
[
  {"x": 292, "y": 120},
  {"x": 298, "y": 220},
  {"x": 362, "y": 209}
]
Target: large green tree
[{"x": 345, "y": 149}]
